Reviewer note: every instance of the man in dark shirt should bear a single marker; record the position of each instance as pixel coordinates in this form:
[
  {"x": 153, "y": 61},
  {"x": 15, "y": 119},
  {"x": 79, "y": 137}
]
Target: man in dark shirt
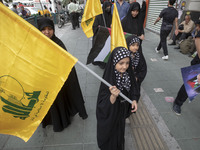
[
  {"x": 24, "y": 12},
  {"x": 182, "y": 94},
  {"x": 169, "y": 15}
]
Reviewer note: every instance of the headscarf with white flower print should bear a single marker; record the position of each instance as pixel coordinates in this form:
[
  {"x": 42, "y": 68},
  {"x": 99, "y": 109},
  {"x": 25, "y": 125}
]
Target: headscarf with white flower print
[{"x": 122, "y": 79}]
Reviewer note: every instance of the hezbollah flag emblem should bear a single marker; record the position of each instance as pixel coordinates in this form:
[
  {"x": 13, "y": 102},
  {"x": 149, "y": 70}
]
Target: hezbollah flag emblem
[{"x": 92, "y": 9}]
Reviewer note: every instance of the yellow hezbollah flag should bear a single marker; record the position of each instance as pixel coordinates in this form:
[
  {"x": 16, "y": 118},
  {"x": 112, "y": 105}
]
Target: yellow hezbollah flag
[
  {"x": 92, "y": 9},
  {"x": 117, "y": 34},
  {"x": 32, "y": 71}
]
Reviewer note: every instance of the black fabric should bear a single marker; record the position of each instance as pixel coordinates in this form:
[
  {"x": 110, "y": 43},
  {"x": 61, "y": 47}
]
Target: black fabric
[
  {"x": 111, "y": 117},
  {"x": 168, "y": 14},
  {"x": 133, "y": 25},
  {"x": 99, "y": 21},
  {"x": 100, "y": 41},
  {"x": 45, "y": 22},
  {"x": 68, "y": 102},
  {"x": 140, "y": 70},
  {"x": 73, "y": 18},
  {"x": 163, "y": 41},
  {"x": 197, "y": 35},
  {"x": 180, "y": 36},
  {"x": 182, "y": 94}
]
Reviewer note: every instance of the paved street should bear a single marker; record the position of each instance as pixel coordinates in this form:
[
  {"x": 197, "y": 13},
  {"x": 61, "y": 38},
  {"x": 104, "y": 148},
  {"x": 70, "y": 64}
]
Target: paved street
[{"x": 178, "y": 132}]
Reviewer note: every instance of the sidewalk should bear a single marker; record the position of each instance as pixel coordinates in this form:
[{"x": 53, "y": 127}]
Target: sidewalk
[
  {"x": 174, "y": 132},
  {"x": 183, "y": 130}
]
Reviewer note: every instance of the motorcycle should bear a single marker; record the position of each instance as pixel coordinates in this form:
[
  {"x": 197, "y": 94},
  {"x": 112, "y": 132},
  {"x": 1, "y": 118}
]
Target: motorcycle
[{"x": 63, "y": 18}]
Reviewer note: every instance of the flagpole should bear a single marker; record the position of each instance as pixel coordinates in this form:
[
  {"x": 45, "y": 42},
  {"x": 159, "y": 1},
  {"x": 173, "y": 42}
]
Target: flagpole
[
  {"x": 104, "y": 19},
  {"x": 102, "y": 80}
]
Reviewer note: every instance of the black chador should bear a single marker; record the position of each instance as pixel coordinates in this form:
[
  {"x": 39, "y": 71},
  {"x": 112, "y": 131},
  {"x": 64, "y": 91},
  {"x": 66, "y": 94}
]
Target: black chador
[
  {"x": 69, "y": 100},
  {"x": 133, "y": 25},
  {"x": 111, "y": 117}
]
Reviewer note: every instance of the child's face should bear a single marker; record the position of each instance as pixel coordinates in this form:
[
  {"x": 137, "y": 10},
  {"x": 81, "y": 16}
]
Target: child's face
[
  {"x": 134, "y": 13},
  {"x": 122, "y": 65},
  {"x": 134, "y": 47}
]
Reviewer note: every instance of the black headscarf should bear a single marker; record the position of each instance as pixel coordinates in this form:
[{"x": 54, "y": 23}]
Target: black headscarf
[
  {"x": 132, "y": 24},
  {"x": 107, "y": 15},
  {"x": 138, "y": 61},
  {"x": 122, "y": 79},
  {"x": 46, "y": 22},
  {"x": 135, "y": 57},
  {"x": 99, "y": 19},
  {"x": 110, "y": 71}
]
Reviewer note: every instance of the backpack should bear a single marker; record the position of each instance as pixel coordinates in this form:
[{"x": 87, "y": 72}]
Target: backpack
[{"x": 187, "y": 46}]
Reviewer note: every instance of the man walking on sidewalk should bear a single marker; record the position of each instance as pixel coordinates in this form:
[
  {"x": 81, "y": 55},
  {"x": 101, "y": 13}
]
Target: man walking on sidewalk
[
  {"x": 169, "y": 15},
  {"x": 72, "y": 7},
  {"x": 182, "y": 94}
]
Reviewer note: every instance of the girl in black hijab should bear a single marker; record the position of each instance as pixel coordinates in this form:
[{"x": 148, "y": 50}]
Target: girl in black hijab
[
  {"x": 137, "y": 60},
  {"x": 133, "y": 23},
  {"x": 112, "y": 109},
  {"x": 69, "y": 100}
]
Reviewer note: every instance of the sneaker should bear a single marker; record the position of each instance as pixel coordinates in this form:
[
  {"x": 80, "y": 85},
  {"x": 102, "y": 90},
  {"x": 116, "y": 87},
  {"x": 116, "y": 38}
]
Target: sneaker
[
  {"x": 165, "y": 57},
  {"x": 157, "y": 51},
  {"x": 177, "y": 109}
]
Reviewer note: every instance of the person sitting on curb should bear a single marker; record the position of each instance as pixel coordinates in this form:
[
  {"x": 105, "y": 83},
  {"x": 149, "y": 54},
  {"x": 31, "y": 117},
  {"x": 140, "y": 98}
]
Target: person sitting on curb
[
  {"x": 182, "y": 94},
  {"x": 184, "y": 32}
]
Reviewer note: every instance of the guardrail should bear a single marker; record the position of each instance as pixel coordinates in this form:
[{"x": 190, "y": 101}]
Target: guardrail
[{"x": 33, "y": 19}]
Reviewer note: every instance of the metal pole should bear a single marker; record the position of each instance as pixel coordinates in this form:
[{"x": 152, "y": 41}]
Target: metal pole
[
  {"x": 102, "y": 80},
  {"x": 41, "y": 7},
  {"x": 104, "y": 19}
]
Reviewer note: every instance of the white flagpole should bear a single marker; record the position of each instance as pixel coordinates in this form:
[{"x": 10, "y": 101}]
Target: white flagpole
[{"x": 102, "y": 80}]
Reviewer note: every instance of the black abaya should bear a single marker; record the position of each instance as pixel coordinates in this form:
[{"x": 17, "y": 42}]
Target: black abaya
[
  {"x": 133, "y": 25},
  {"x": 68, "y": 102}
]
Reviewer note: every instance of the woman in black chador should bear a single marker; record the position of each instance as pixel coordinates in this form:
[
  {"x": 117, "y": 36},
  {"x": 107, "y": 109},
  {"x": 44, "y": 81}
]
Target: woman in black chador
[
  {"x": 112, "y": 109},
  {"x": 69, "y": 100},
  {"x": 133, "y": 22},
  {"x": 99, "y": 20}
]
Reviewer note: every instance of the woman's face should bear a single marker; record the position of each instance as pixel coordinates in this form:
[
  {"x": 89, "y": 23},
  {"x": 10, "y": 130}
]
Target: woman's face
[
  {"x": 122, "y": 65},
  {"x": 48, "y": 31},
  {"x": 134, "y": 13},
  {"x": 134, "y": 47},
  {"x": 108, "y": 9}
]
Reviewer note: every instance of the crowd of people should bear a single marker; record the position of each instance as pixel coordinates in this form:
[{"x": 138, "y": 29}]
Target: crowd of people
[{"x": 20, "y": 10}]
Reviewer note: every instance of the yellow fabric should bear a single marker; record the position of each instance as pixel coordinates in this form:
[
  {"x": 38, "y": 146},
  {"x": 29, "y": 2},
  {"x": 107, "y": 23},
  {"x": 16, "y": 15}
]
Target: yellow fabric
[
  {"x": 117, "y": 34},
  {"x": 33, "y": 70},
  {"x": 44, "y": 12},
  {"x": 92, "y": 9}
]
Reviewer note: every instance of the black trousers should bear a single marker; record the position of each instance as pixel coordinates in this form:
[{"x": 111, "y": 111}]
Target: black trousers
[
  {"x": 181, "y": 96},
  {"x": 73, "y": 19},
  {"x": 163, "y": 41},
  {"x": 180, "y": 36}
]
